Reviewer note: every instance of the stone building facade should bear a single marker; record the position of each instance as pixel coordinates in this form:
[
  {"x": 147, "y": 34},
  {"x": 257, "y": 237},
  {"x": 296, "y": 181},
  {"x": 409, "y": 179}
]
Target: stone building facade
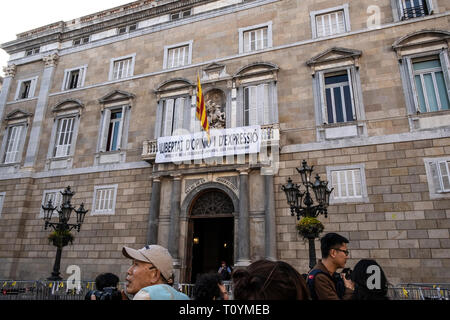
[{"x": 359, "y": 89}]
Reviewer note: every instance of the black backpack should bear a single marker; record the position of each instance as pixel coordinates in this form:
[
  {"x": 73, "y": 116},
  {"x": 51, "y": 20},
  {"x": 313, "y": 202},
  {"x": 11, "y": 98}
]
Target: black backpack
[{"x": 338, "y": 282}]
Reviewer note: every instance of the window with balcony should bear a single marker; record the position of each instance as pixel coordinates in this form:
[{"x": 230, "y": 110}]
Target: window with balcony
[
  {"x": 330, "y": 21},
  {"x": 409, "y": 9},
  {"x": 257, "y": 104},
  {"x": 121, "y": 68},
  {"x": 178, "y": 55},
  {"x": 255, "y": 38},
  {"x": 74, "y": 78},
  {"x": 173, "y": 115}
]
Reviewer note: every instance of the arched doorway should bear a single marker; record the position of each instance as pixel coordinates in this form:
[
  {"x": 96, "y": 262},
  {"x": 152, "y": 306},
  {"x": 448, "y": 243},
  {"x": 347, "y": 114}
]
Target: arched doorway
[{"x": 211, "y": 233}]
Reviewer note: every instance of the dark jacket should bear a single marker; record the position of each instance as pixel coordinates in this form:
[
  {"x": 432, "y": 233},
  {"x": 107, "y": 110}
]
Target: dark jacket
[{"x": 325, "y": 287}]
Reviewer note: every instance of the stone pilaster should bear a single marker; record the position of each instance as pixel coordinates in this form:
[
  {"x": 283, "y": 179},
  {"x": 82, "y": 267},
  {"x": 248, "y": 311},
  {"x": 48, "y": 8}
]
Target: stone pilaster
[
  {"x": 10, "y": 73},
  {"x": 174, "y": 228},
  {"x": 36, "y": 129},
  {"x": 270, "y": 227},
  {"x": 243, "y": 240},
  {"x": 152, "y": 230}
]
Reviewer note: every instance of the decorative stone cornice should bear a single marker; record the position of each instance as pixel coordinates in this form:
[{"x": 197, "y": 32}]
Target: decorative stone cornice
[
  {"x": 10, "y": 71},
  {"x": 51, "y": 60}
]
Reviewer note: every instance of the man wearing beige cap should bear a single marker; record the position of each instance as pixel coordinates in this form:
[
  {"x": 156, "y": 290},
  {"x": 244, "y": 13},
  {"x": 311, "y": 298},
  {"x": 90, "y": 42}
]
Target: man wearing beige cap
[{"x": 151, "y": 274}]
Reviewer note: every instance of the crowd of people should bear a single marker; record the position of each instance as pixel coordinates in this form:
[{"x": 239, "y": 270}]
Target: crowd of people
[{"x": 150, "y": 277}]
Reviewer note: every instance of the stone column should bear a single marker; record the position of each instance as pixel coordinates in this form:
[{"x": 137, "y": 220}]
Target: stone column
[
  {"x": 243, "y": 240},
  {"x": 10, "y": 73},
  {"x": 35, "y": 136},
  {"x": 270, "y": 227},
  {"x": 153, "y": 223},
  {"x": 174, "y": 228}
]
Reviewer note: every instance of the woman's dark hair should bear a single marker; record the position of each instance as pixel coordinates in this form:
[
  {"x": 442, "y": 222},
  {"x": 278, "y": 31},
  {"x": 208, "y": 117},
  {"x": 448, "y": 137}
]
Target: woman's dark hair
[
  {"x": 206, "y": 287},
  {"x": 106, "y": 280},
  {"x": 269, "y": 280},
  {"x": 330, "y": 241},
  {"x": 361, "y": 274}
]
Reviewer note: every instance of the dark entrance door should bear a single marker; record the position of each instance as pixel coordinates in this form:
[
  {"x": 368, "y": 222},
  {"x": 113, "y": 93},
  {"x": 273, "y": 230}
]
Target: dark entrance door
[
  {"x": 211, "y": 233},
  {"x": 215, "y": 243}
]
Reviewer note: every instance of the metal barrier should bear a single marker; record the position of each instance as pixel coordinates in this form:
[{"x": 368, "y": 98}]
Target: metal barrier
[{"x": 419, "y": 292}]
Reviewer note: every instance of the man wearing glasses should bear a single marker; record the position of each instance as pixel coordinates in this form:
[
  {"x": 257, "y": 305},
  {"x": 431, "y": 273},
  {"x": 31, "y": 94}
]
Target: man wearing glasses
[
  {"x": 150, "y": 276},
  {"x": 323, "y": 281}
]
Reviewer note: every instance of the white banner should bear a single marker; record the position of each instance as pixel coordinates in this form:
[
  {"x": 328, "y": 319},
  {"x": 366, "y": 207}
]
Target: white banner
[{"x": 225, "y": 142}]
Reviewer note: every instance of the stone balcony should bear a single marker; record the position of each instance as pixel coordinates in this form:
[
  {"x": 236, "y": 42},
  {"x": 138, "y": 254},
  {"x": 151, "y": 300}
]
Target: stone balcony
[{"x": 270, "y": 136}]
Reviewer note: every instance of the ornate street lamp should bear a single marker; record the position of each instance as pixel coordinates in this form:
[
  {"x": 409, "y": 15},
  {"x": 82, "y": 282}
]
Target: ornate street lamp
[
  {"x": 302, "y": 205},
  {"x": 61, "y": 235}
]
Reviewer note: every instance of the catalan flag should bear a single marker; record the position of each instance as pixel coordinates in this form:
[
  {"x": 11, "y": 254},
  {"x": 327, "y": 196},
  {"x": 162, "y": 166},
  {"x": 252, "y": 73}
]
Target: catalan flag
[{"x": 201, "y": 110}]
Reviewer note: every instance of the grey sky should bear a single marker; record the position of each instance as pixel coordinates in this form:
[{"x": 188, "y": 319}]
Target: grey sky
[{"x": 19, "y": 16}]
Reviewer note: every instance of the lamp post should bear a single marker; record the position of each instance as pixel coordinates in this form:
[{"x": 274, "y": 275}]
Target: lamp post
[
  {"x": 302, "y": 204},
  {"x": 62, "y": 228}
]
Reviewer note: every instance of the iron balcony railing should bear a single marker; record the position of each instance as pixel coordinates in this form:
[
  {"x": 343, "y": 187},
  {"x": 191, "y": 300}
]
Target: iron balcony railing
[{"x": 414, "y": 12}]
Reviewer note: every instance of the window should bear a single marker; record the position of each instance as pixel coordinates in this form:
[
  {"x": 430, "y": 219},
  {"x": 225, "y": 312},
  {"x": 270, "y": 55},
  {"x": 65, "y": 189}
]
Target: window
[
  {"x": 2, "y": 200},
  {"x": 180, "y": 15},
  {"x": 113, "y": 129},
  {"x": 127, "y": 29},
  {"x": 408, "y": 9},
  {"x": 64, "y": 134},
  {"x": 431, "y": 90},
  {"x": 255, "y": 38},
  {"x": 104, "y": 200},
  {"x": 330, "y": 21},
  {"x": 257, "y": 105},
  {"x": 173, "y": 114},
  {"x": 26, "y": 88},
  {"x": 64, "y": 137},
  {"x": 438, "y": 175},
  {"x": 348, "y": 183},
  {"x": 81, "y": 41},
  {"x": 32, "y": 51},
  {"x": 122, "y": 68},
  {"x": 74, "y": 78},
  {"x": 339, "y": 102},
  {"x": 178, "y": 57},
  {"x": 13, "y": 143},
  {"x": 55, "y": 196}
]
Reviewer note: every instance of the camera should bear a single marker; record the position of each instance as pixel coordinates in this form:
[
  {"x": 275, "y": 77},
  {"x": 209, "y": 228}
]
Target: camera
[
  {"x": 348, "y": 273},
  {"x": 109, "y": 293}
]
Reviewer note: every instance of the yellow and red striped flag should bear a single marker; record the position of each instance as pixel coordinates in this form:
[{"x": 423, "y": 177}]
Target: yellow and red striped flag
[{"x": 201, "y": 110}]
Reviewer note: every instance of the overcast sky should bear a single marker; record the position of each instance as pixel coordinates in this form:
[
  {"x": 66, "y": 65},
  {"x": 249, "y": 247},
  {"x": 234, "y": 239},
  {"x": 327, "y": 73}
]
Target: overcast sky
[{"x": 23, "y": 15}]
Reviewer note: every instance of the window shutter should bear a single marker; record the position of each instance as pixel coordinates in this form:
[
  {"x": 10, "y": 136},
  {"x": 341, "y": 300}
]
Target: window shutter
[
  {"x": 104, "y": 129},
  {"x": 260, "y": 104},
  {"x": 445, "y": 64},
  {"x": 435, "y": 177},
  {"x": 321, "y": 91},
  {"x": 168, "y": 118},
  {"x": 253, "y": 108},
  {"x": 430, "y": 6},
  {"x": 187, "y": 113},
  {"x": 80, "y": 77},
  {"x": 445, "y": 176},
  {"x": 32, "y": 91},
  {"x": 400, "y": 9},
  {"x": 412, "y": 83},
  {"x": 121, "y": 124},
  {"x": 240, "y": 107},
  {"x": 159, "y": 119},
  {"x": 178, "y": 114},
  {"x": 352, "y": 81}
]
